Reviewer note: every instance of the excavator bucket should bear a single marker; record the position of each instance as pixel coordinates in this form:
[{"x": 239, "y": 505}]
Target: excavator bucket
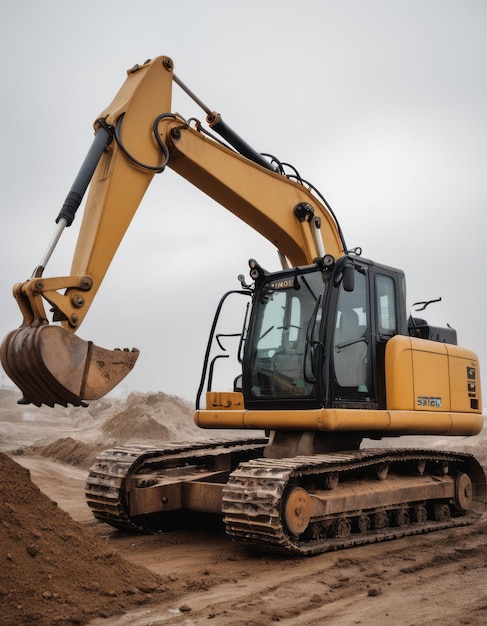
[{"x": 51, "y": 365}]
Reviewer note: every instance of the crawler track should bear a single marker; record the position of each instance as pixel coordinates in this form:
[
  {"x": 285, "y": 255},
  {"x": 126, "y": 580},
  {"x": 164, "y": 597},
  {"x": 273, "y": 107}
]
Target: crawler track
[
  {"x": 257, "y": 498},
  {"x": 106, "y": 483},
  {"x": 254, "y": 499}
]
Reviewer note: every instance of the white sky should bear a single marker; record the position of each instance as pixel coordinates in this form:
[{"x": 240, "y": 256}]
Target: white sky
[{"x": 380, "y": 103}]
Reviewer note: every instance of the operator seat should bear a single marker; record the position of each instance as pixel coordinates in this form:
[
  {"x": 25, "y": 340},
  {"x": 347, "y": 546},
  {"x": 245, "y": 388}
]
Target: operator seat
[{"x": 350, "y": 351}]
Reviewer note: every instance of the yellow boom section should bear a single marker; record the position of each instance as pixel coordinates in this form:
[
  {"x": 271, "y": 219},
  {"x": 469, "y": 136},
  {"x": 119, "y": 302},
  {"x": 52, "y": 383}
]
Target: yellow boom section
[
  {"x": 263, "y": 199},
  {"x": 147, "y": 137}
]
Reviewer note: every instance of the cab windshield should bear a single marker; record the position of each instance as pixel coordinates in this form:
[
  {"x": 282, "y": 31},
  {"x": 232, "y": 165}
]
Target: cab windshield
[{"x": 285, "y": 328}]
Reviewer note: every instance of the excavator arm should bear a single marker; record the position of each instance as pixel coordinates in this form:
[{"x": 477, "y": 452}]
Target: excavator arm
[{"x": 137, "y": 136}]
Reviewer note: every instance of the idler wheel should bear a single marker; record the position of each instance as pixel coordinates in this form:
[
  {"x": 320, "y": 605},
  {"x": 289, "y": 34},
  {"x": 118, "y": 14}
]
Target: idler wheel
[
  {"x": 297, "y": 510},
  {"x": 463, "y": 492}
]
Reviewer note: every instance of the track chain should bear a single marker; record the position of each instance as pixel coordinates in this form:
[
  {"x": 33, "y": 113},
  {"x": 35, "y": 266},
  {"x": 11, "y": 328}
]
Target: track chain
[
  {"x": 253, "y": 499},
  {"x": 254, "y": 495},
  {"x": 105, "y": 492}
]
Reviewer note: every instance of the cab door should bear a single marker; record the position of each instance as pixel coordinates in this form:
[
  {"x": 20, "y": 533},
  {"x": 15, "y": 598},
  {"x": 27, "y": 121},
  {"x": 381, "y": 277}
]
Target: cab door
[
  {"x": 352, "y": 351},
  {"x": 388, "y": 295}
]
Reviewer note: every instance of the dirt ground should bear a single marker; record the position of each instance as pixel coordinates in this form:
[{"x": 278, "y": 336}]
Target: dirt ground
[{"x": 198, "y": 576}]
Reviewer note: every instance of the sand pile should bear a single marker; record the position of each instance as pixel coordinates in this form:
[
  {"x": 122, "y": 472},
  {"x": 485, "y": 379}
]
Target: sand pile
[
  {"x": 135, "y": 424},
  {"x": 10, "y": 411},
  {"x": 53, "y": 570},
  {"x": 75, "y": 435},
  {"x": 70, "y": 451},
  {"x": 153, "y": 415}
]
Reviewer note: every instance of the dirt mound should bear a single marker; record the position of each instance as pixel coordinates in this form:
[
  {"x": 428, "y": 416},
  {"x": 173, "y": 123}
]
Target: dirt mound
[
  {"x": 172, "y": 412},
  {"x": 9, "y": 409},
  {"x": 135, "y": 425},
  {"x": 142, "y": 418},
  {"x": 55, "y": 571},
  {"x": 150, "y": 418},
  {"x": 71, "y": 451}
]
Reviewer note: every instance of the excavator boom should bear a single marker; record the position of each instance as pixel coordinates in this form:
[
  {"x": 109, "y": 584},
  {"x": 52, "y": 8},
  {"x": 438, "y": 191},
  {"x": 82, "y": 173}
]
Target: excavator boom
[{"x": 136, "y": 137}]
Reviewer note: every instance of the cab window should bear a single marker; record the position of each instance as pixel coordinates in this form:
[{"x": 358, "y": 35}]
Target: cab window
[{"x": 386, "y": 304}]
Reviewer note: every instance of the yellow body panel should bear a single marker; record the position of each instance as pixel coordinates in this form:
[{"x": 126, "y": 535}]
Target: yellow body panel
[
  {"x": 228, "y": 400},
  {"x": 261, "y": 198},
  {"x": 430, "y": 376},
  {"x": 432, "y": 389},
  {"x": 349, "y": 420}
]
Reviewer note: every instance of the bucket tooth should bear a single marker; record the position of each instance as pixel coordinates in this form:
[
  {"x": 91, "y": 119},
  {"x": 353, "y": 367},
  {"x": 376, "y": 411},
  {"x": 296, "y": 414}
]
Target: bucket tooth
[
  {"x": 26, "y": 358},
  {"x": 52, "y": 366}
]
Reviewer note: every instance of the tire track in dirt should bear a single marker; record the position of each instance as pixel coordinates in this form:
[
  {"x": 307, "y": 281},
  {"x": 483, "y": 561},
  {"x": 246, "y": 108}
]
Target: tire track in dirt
[{"x": 426, "y": 580}]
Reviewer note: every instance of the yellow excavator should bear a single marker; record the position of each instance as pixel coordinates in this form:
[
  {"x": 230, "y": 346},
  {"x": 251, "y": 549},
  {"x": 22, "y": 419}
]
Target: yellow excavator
[{"x": 325, "y": 355}]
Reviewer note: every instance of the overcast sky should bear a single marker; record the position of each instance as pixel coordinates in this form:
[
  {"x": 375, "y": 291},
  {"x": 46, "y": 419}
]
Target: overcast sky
[{"x": 380, "y": 103}]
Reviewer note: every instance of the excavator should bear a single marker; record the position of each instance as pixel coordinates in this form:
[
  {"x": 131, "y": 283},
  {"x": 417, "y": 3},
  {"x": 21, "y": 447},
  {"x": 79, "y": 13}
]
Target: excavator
[{"x": 323, "y": 361}]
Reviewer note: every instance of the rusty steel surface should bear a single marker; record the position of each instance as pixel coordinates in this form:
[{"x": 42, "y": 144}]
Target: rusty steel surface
[
  {"x": 258, "y": 490},
  {"x": 110, "y": 478},
  {"x": 52, "y": 366},
  {"x": 304, "y": 505}
]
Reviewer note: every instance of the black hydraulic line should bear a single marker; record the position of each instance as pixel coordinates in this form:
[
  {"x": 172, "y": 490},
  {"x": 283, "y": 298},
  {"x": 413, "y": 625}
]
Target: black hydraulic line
[
  {"x": 102, "y": 139},
  {"x": 217, "y": 124},
  {"x": 158, "y": 169},
  {"x": 306, "y": 183}
]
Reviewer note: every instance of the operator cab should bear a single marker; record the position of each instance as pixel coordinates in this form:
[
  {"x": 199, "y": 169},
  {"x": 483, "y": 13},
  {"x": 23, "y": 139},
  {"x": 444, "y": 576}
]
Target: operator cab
[{"x": 317, "y": 338}]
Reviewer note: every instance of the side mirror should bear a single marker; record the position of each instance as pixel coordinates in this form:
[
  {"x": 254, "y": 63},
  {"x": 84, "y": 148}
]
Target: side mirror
[
  {"x": 345, "y": 274},
  {"x": 348, "y": 276}
]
